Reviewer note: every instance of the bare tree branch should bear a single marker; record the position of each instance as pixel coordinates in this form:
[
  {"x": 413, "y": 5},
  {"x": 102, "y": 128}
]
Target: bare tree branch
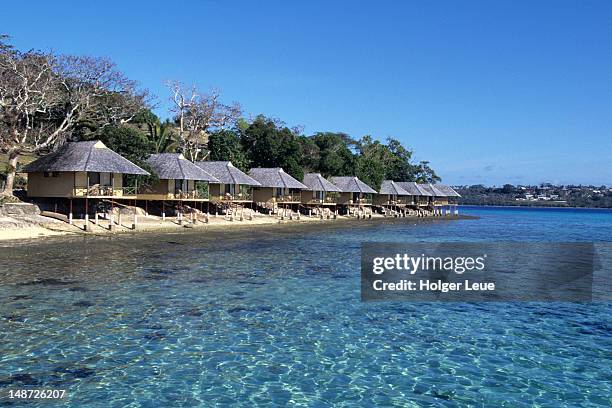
[
  {"x": 44, "y": 97},
  {"x": 197, "y": 114}
]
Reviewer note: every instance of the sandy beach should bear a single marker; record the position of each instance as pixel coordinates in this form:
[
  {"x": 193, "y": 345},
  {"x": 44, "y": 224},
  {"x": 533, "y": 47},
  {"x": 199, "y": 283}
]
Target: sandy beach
[{"x": 36, "y": 227}]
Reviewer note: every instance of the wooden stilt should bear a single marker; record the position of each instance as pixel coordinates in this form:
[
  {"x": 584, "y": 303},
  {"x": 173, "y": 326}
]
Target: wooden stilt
[
  {"x": 135, "y": 224},
  {"x": 86, "y": 226}
]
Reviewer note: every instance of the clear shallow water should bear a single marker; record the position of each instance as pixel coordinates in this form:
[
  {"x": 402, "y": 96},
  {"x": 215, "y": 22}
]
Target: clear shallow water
[{"x": 273, "y": 317}]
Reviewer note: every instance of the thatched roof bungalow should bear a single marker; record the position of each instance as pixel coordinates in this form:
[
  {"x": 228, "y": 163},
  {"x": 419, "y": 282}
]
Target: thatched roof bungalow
[
  {"x": 319, "y": 191},
  {"x": 436, "y": 197},
  {"x": 392, "y": 194},
  {"x": 448, "y": 190},
  {"x": 420, "y": 196},
  {"x": 81, "y": 170},
  {"x": 353, "y": 191},
  {"x": 440, "y": 193},
  {"x": 179, "y": 179},
  {"x": 276, "y": 186},
  {"x": 233, "y": 184}
]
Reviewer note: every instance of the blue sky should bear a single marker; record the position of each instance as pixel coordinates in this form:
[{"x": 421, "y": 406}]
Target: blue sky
[{"x": 488, "y": 91}]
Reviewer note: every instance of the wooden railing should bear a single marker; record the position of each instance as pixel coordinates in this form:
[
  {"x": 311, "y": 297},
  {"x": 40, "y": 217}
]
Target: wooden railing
[
  {"x": 362, "y": 201},
  {"x": 325, "y": 200},
  {"x": 400, "y": 201},
  {"x": 103, "y": 191},
  {"x": 130, "y": 191},
  {"x": 191, "y": 195},
  {"x": 288, "y": 198},
  {"x": 242, "y": 196}
]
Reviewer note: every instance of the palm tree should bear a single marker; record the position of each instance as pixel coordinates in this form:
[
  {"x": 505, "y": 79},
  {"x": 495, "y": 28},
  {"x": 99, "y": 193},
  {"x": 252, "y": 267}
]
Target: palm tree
[{"x": 163, "y": 136}]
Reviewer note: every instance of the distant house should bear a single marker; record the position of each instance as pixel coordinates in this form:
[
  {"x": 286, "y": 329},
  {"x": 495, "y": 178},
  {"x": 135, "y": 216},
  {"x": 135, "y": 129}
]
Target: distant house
[
  {"x": 276, "y": 186},
  {"x": 319, "y": 191},
  {"x": 233, "y": 185},
  {"x": 82, "y": 170},
  {"x": 391, "y": 194},
  {"x": 354, "y": 192},
  {"x": 179, "y": 179}
]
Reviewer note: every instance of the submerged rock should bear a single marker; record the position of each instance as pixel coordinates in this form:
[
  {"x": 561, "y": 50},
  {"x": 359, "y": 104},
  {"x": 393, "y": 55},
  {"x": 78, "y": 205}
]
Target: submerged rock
[
  {"x": 48, "y": 281},
  {"x": 83, "y": 303}
]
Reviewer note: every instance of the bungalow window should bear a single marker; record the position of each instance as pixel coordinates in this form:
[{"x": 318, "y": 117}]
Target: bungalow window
[
  {"x": 94, "y": 178},
  {"x": 102, "y": 179},
  {"x": 279, "y": 192},
  {"x": 230, "y": 189},
  {"x": 181, "y": 186},
  {"x": 106, "y": 179},
  {"x": 319, "y": 195},
  {"x": 356, "y": 196}
]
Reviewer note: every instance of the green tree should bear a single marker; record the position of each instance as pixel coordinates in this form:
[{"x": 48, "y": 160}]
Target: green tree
[
  {"x": 426, "y": 174},
  {"x": 224, "y": 145},
  {"x": 162, "y": 135},
  {"x": 508, "y": 189},
  {"x": 372, "y": 162},
  {"x": 310, "y": 154},
  {"x": 268, "y": 144},
  {"x": 399, "y": 167},
  {"x": 335, "y": 155}
]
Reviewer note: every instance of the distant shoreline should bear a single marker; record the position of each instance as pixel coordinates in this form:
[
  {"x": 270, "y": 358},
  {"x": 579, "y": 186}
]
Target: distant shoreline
[{"x": 547, "y": 207}]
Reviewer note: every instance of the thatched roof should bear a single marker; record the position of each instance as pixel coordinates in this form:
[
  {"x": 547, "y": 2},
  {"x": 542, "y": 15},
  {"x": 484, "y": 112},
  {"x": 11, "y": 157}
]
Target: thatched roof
[
  {"x": 432, "y": 190},
  {"x": 316, "y": 182},
  {"x": 226, "y": 173},
  {"x": 92, "y": 156},
  {"x": 413, "y": 188},
  {"x": 448, "y": 191},
  {"x": 176, "y": 166},
  {"x": 393, "y": 188},
  {"x": 275, "y": 177},
  {"x": 352, "y": 185}
]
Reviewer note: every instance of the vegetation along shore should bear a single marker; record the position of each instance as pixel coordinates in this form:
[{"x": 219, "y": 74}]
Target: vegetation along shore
[{"x": 83, "y": 151}]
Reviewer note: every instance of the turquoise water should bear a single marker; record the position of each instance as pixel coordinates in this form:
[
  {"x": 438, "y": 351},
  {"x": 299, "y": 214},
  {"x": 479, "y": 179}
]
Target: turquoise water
[{"x": 273, "y": 317}]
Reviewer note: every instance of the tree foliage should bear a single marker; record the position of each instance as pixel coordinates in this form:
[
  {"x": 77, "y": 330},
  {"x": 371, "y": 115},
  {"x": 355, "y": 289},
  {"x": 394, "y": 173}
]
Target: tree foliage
[
  {"x": 224, "y": 145},
  {"x": 47, "y": 98},
  {"x": 335, "y": 157},
  {"x": 197, "y": 114},
  {"x": 425, "y": 174},
  {"x": 162, "y": 135},
  {"x": 267, "y": 143}
]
